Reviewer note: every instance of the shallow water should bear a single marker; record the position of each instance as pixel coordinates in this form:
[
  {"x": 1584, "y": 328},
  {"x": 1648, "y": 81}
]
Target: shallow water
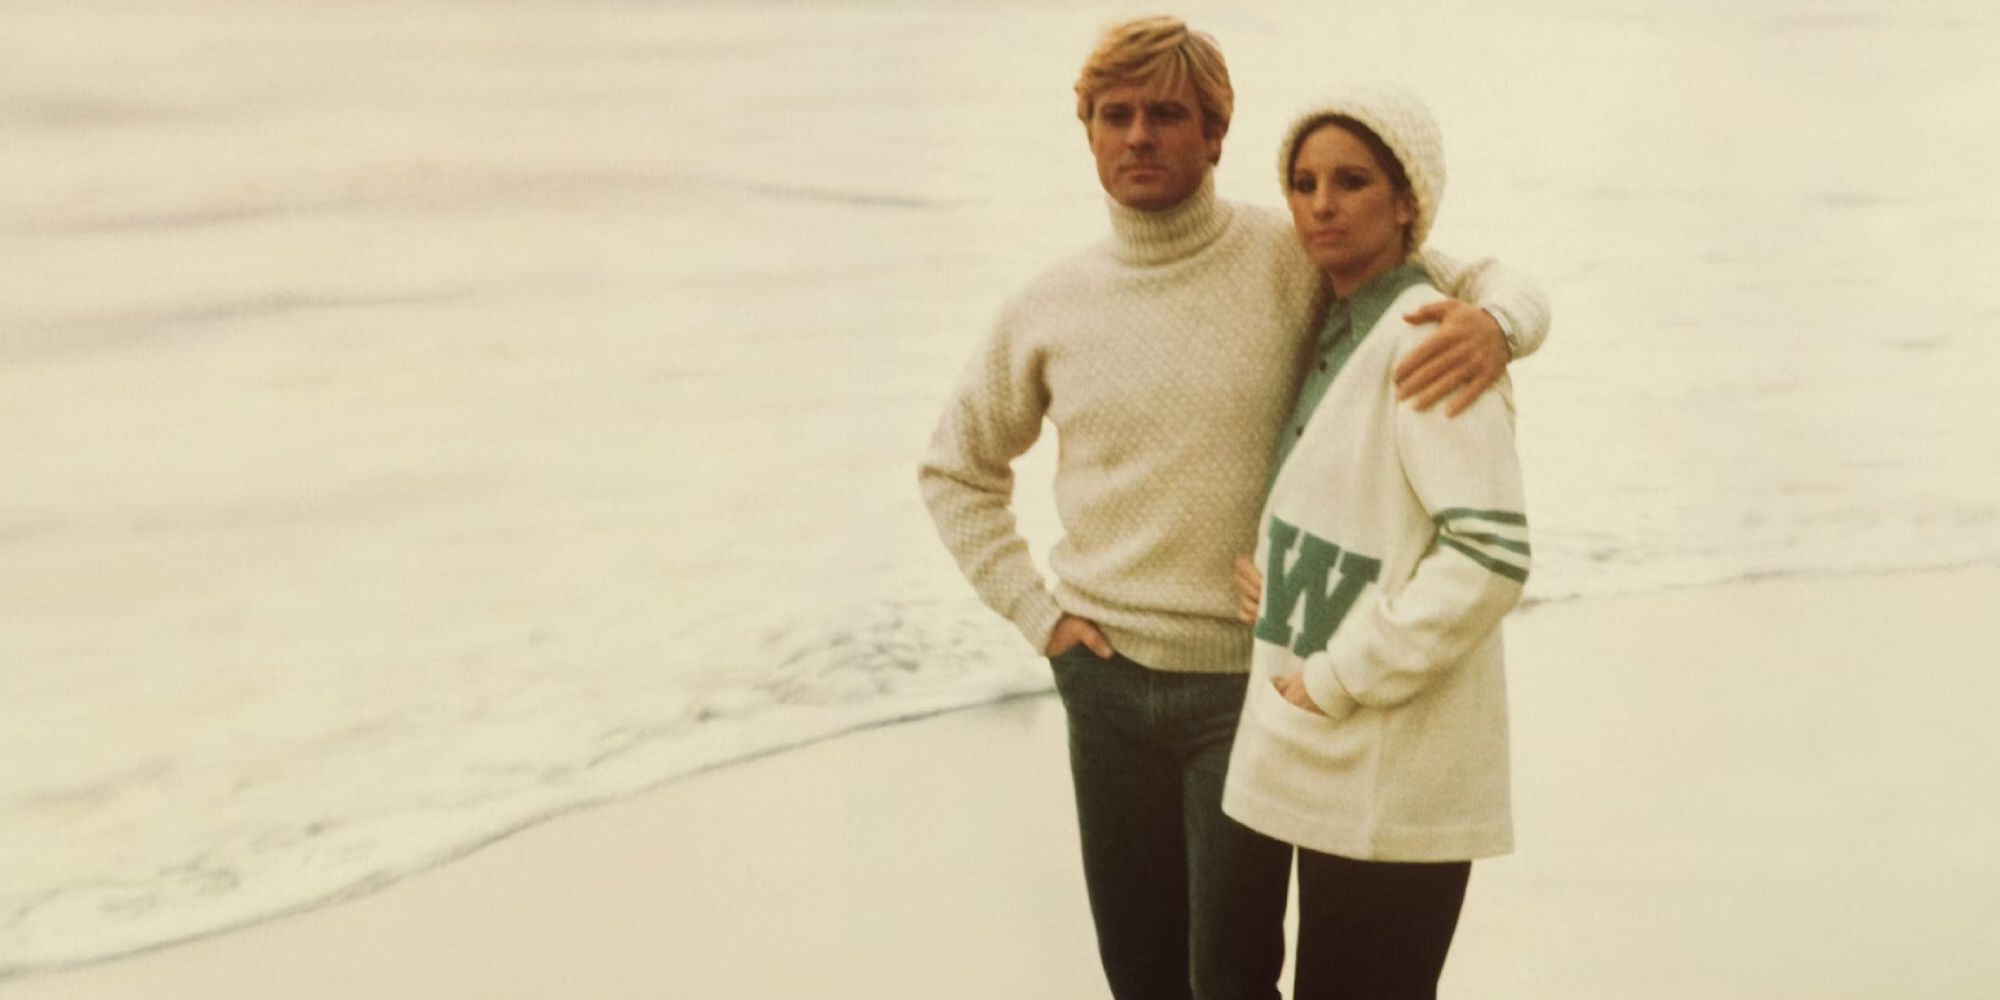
[{"x": 421, "y": 419}]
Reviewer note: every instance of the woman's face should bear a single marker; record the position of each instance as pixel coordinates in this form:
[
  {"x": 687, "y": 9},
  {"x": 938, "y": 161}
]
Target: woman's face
[{"x": 1347, "y": 214}]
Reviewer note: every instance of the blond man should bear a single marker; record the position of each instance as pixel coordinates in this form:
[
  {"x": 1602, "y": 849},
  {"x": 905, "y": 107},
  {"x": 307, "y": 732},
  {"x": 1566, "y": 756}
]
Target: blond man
[{"x": 1167, "y": 357}]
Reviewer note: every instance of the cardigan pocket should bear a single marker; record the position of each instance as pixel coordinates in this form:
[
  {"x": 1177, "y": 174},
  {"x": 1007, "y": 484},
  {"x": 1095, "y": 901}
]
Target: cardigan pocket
[{"x": 1318, "y": 737}]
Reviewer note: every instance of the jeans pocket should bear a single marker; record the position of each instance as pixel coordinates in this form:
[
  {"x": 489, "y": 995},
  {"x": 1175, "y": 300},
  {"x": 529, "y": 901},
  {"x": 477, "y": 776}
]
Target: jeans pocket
[
  {"x": 1078, "y": 655},
  {"x": 1082, "y": 677},
  {"x": 1064, "y": 666}
]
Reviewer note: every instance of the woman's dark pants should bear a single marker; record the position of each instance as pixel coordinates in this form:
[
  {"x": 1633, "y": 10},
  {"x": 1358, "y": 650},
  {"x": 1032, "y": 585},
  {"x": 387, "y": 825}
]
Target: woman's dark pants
[{"x": 1375, "y": 930}]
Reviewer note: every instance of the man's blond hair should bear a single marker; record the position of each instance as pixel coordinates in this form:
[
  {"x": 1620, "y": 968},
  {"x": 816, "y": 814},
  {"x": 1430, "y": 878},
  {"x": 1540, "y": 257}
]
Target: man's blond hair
[{"x": 1159, "y": 52}]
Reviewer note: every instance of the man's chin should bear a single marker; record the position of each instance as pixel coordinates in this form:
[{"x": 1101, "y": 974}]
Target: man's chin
[{"x": 1149, "y": 197}]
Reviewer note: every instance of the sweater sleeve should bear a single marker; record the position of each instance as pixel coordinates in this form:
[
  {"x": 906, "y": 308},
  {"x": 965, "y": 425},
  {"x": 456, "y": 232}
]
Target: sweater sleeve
[
  {"x": 1491, "y": 286},
  {"x": 1464, "y": 472},
  {"x": 967, "y": 478}
]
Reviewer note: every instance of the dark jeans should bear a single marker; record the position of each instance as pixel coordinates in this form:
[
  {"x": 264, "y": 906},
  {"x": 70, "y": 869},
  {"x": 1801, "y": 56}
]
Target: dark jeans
[
  {"x": 1375, "y": 930},
  {"x": 1188, "y": 903}
]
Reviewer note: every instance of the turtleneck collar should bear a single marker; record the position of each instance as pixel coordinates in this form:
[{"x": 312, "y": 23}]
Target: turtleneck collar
[{"x": 1170, "y": 234}]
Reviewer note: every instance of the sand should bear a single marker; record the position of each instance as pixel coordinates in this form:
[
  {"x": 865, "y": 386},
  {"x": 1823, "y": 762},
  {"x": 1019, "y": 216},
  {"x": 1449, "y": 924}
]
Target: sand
[{"x": 1779, "y": 789}]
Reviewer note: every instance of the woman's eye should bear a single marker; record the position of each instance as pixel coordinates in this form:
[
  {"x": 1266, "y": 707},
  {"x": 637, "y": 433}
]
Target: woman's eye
[{"x": 1303, "y": 185}]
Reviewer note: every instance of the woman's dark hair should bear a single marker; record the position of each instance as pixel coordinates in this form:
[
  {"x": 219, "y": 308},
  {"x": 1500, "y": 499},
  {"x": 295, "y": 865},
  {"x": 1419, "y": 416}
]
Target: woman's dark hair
[{"x": 1385, "y": 159}]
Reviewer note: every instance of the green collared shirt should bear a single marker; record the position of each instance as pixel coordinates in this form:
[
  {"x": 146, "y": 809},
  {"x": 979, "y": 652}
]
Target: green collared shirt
[{"x": 1347, "y": 322}]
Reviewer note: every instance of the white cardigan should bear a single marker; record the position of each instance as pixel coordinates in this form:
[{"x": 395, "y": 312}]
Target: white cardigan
[{"x": 1392, "y": 544}]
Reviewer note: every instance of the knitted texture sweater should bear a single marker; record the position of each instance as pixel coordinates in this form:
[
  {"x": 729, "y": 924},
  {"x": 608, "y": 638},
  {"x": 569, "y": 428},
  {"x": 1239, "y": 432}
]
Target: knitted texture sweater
[
  {"x": 1392, "y": 545},
  {"x": 1166, "y": 357}
]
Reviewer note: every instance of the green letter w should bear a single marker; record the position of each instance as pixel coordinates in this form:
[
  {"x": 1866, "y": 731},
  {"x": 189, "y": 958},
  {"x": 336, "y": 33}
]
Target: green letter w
[{"x": 1308, "y": 580}]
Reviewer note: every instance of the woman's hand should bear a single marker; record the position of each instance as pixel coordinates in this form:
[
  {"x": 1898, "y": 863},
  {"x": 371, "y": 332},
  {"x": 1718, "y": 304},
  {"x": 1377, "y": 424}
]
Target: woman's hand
[
  {"x": 1465, "y": 356},
  {"x": 1249, "y": 590},
  {"x": 1294, "y": 690}
]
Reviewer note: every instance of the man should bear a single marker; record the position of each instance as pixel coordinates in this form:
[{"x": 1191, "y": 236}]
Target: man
[{"x": 1167, "y": 358}]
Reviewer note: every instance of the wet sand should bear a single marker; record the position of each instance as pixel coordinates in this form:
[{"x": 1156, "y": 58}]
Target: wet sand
[{"x": 1765, "y": 789}]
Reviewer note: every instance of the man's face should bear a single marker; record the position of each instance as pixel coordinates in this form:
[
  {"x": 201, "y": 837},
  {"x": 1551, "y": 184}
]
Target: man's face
[{"x": 1151, "y": 146}]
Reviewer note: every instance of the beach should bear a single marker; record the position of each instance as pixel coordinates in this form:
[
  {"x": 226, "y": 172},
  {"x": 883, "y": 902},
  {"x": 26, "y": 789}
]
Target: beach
[
  {"x": 469, "y": 446},
  {"x": 1731, "y": 792}
]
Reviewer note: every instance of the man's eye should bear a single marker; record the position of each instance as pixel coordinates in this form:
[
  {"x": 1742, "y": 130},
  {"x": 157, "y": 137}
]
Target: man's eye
[
  {"x": 1171, "y": 113},
  {"x": 1117, "y": 117}
]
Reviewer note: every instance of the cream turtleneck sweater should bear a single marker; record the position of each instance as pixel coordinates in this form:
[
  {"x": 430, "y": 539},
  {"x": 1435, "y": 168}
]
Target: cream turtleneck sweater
[{"x": 1166, "y": 357}]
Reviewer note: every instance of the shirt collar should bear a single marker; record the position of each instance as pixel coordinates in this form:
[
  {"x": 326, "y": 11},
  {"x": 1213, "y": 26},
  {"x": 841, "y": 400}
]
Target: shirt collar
[{"x": 1365, "y": 307}]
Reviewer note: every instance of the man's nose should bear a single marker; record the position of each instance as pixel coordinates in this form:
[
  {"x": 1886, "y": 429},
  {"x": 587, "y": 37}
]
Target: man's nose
[{"x": 1141, "y": 132}]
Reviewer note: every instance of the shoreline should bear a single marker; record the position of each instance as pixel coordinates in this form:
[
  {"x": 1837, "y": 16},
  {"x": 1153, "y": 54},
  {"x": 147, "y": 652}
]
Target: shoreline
[
  {"x": 1750, "y": 745},
  {"x": 749, "y": 739}
]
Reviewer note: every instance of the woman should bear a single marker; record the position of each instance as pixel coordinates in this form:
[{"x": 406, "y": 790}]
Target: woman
[{"x": 1393, "y": 542}]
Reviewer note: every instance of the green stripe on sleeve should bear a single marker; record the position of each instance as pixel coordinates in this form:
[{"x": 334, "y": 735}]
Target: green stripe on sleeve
[
  {"x": 1509, "y": 544},
  {"x": 1508, "y": 570},
  {"x": 1496, "y": 516}
]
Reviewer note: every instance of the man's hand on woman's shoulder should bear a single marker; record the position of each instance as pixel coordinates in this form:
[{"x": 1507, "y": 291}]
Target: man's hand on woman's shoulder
[{"x": 1466, "y": 355}]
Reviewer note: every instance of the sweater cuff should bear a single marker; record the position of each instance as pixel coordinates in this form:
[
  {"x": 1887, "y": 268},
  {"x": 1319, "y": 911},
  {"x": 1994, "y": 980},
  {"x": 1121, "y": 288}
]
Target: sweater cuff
[
  {"x": 1036, "y": 617},
  {"x": 1326, "y": 690},
  {"x": 1508, "y": 329}
]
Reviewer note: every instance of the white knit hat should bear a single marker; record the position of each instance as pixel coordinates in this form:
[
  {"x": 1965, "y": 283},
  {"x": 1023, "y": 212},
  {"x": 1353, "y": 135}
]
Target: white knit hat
[{"x": 1406, "y": 127}]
